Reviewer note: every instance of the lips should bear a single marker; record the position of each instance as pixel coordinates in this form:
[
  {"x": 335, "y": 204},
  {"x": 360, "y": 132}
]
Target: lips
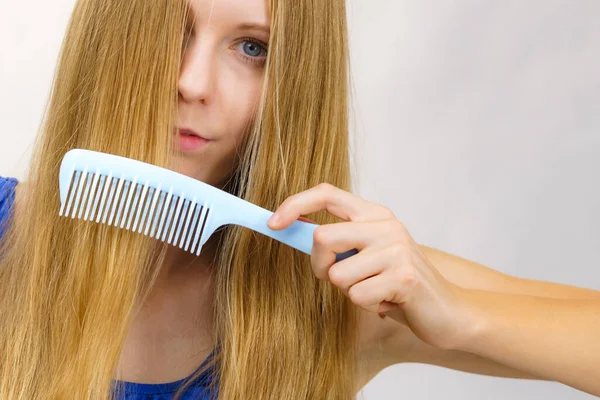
[
  {"x": 189, "y": 132},
  {"x": 189, "y": 141}
]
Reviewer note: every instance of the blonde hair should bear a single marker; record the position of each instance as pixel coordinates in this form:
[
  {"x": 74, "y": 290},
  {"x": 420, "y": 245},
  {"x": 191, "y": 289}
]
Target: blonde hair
[{"x": 70, "y": 288}]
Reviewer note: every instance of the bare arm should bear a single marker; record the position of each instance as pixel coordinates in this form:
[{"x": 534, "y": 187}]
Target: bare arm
[
  {"x": 471, "y": 275},
  {"x": 556, "y": 339}
]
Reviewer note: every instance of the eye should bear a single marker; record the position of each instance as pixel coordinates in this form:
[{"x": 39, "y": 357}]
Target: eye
[{"x": 252, "y": 48}]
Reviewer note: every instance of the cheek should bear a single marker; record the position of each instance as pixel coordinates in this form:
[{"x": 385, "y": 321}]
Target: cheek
[{"x": 244, "y": 97}]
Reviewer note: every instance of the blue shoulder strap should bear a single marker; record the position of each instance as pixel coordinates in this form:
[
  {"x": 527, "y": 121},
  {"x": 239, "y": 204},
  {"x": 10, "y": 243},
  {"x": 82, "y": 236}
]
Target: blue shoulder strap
[{"x": 7, "y": 198}]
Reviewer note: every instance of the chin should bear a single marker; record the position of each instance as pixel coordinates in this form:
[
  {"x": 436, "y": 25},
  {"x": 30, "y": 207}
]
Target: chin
[
  {"x": 209, "y": 174},
  {"x": 205, "y": 175}
]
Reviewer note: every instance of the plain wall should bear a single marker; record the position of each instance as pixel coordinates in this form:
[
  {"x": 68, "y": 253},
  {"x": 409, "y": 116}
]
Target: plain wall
[{"x": 478, "y": 123}]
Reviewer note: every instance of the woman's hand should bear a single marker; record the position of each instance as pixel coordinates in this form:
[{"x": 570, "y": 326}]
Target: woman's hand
[{"x": 389, "y": 275}]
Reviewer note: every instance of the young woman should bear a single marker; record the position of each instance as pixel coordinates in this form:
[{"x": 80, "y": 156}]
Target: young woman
[{"x": 249, "y": 96}]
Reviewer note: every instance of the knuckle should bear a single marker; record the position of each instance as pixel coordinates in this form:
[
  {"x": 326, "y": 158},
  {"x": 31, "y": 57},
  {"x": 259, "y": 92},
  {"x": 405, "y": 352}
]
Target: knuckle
[
  {"x": 319, "y": 272},
  {"x": 325, "y": 186},
  {"x": 320, "y": 235},
  {"x": 387, "y": 211},
  {"x": 355, "y": 295},
  {"x": 406, "y": 276},
  {"x": 409, "y": 277},
  {"x": 398, "y": 227},
  {"x": 398, "y": 250},
  {"x": 336, "y": 276}
]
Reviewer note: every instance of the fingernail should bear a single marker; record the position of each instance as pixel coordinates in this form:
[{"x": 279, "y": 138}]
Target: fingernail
[{"x": 274, "y": 219}]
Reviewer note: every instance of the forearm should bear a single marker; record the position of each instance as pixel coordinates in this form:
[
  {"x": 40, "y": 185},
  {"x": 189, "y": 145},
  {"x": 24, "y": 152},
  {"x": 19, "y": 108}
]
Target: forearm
[
  {"x": 461, "y": 361},
  {"x": 471, "y": 275},
  {"x": 555, "y": 339},
  {"x": 402, "y": 346}
]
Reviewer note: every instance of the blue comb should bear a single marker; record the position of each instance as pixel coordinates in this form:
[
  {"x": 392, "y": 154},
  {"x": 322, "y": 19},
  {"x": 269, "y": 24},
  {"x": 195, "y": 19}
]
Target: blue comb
[{"x": 163, "y": 204}]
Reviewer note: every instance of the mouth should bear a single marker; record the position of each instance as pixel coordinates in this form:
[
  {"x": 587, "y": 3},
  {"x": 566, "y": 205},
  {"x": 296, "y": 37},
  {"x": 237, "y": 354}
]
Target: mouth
[{"x": 188, "y": 140}]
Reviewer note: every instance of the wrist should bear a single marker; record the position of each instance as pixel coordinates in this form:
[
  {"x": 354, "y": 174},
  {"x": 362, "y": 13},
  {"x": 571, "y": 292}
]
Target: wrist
[{"x": 472, "y": 321}]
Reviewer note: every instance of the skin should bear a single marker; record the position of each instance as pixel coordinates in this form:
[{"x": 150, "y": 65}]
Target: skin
[
  {"x": 219, "y": 88},
  {"x": 449, "y": 312},
  {"x": 416, "y": 303},
  {"x": 391, "y": 275}
]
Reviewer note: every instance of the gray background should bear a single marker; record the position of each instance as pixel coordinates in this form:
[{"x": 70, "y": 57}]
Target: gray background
[{"x": 476, "y": 122}]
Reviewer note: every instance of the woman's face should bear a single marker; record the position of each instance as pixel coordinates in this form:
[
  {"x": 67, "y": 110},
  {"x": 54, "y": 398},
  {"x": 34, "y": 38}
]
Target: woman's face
[{"x": 219, "y": 84}]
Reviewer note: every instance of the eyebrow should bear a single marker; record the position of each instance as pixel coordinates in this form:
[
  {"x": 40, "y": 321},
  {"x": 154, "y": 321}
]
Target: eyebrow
[{"x": 253, "y": 26}]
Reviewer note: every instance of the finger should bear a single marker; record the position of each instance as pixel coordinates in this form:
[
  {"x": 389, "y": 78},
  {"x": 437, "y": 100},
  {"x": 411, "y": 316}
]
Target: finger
[
  {"x": 368, "y": 262},
  {"x": 332, "y": 239},
  {"x": 350, "y": 271},
  {"x": 342, "y": 236},
  {"x": 336, "y": 201},
  {"x": 388, "y": 287},
  {"x": 369, "y": 293},
  {"x": 327, "y": 244}
]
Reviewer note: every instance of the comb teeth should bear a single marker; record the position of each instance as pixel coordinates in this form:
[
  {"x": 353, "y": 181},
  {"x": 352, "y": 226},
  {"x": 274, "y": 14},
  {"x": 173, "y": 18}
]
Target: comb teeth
[{"x": 128, "y": 204}]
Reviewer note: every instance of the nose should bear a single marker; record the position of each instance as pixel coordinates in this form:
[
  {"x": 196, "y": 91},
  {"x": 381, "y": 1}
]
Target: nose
[{"x": 197, "y": 75}]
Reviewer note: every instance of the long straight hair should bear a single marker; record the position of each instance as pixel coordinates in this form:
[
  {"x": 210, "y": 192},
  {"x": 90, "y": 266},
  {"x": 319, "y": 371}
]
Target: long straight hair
[{"x": 70, "y": 288}]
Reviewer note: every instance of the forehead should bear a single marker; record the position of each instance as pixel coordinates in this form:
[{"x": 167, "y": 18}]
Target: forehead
[{"x": 221, "y": 11}]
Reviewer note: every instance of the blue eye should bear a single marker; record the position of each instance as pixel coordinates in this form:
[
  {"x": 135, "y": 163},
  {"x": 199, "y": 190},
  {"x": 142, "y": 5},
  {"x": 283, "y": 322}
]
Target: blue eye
[{"x": 253, "y": 49}]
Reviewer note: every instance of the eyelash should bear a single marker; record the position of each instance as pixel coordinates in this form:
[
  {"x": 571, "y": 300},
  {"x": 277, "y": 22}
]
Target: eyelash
[
  {"x": 259, "y": 61},
  {"x": 253, "y": 60}
]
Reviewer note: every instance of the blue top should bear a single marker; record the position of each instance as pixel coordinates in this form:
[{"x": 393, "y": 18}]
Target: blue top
[
  {"x": 7, "y": 197},
  {"x": 127, "y": 390},
  {"x": 198, "y": 390}
]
